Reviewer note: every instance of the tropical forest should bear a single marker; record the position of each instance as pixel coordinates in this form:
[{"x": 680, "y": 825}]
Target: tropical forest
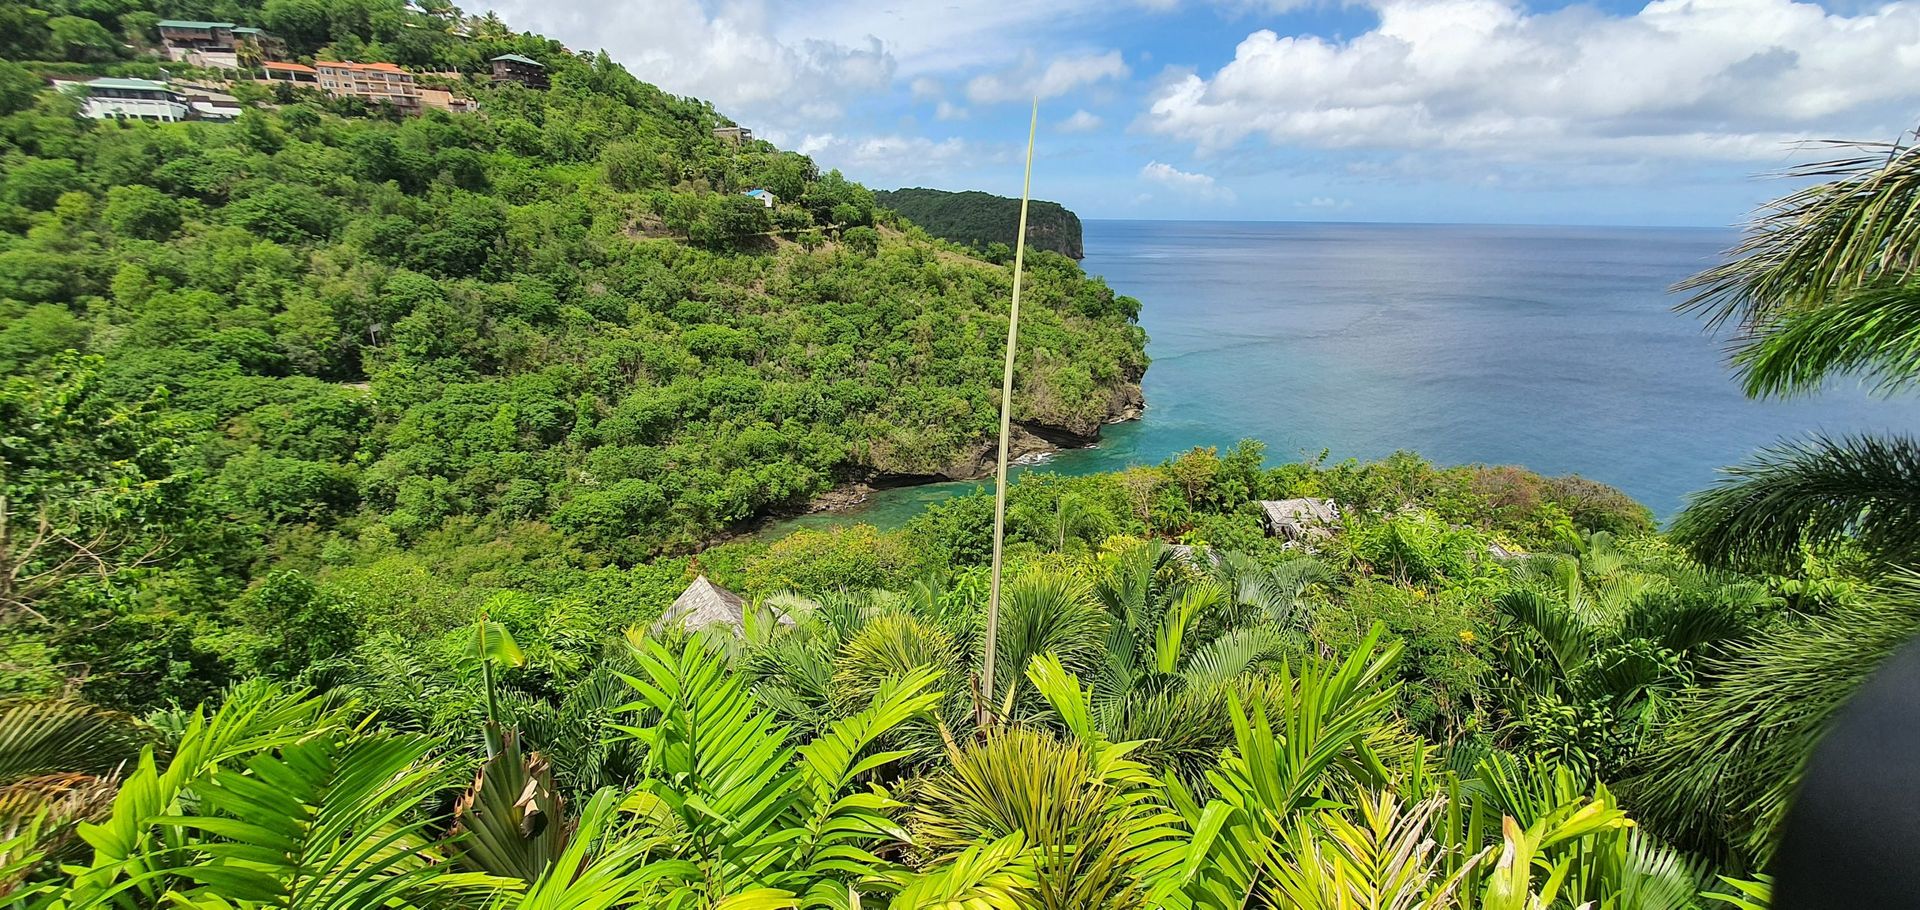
[{"x": 390, "y": 515}]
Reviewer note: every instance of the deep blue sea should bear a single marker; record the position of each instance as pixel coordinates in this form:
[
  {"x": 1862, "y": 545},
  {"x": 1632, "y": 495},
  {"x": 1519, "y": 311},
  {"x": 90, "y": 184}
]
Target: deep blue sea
[{"x": 1555, "y": 348}]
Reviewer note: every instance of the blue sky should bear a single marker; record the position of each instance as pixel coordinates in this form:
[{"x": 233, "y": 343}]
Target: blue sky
[{"x": 1365, "y": 110}]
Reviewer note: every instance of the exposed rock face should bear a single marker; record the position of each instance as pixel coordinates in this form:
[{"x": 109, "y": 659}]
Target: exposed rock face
[{"x": 1126, "y": 403}]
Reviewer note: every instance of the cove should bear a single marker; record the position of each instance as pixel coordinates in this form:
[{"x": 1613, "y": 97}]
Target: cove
[{"x": 1555, "y": 348}]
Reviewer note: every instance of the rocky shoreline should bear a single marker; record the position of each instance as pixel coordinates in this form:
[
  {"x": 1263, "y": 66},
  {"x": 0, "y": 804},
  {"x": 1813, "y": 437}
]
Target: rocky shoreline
[{"x": 1031, "y": 443}]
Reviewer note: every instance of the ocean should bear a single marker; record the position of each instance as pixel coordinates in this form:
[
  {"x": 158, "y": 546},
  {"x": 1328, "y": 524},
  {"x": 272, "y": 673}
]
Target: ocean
[{"x": 1555, "y": 348}]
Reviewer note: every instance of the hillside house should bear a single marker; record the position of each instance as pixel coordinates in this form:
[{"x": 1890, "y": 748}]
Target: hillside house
[
  {"x": 207, "y": 103},
  {"x": 447, "y": 101},
  {"x": 372, "y": 83},
  {"x": 133, "y": 99},
  {"x": 733, "y": 134},
  {"x": 297, "y": 73},
  {"x": 763, "y": 197},
  {"x": 515, "y": 68},
  {"x": 216, "y": 44}
]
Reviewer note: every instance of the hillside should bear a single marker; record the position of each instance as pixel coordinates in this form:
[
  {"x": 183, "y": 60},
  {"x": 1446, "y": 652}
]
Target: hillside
[
  {"x": 562, "y": 309},
  {"x": 980, "y": 220}
]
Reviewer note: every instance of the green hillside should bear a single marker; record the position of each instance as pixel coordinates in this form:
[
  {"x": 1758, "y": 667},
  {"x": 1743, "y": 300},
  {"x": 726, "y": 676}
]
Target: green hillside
[
  {"x": 983, "y": 220},
  {"x": 560, "y": 310}
]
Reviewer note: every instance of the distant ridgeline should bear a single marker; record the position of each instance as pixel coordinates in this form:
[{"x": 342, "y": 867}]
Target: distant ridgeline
[{"x": 978, "y": 219}]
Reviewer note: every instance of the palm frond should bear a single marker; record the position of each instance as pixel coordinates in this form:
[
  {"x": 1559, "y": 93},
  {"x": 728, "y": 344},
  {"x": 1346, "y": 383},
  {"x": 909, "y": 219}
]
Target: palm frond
[
  {"x": 1872, "y": 333},
  {"x": 1045, "y": 612},
  {"x": 40, "y": 736},
  {"x": 512, "y": 821},
  {"x": 1731, "y": 754},
  {"x": 1231, "y": 655},
  {"x": 327, "y": 825},
  {"x": 1852, "y": 231},
  {"x": 1812, "y": 493}
]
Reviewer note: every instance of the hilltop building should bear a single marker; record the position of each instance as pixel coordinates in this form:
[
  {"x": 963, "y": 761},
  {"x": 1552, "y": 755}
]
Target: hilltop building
[
  {"x": 764, "y": 197},
  {"x": 133, "y": 99},
  {"x": 215, "y": 44},
  {"x": 296, "y": 73},
  {"x": 515, "y": 68},
  {"x": 370, "y": 82},
  {"x": 733, "y": 134}
]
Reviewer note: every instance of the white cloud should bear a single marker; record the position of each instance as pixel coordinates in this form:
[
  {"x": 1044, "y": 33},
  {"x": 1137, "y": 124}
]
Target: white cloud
[
  {"x": 1324, "y": 203},
  {"x": 1062, "y": 75},
  {"x": 1082, "y": 121},
  {"x": 1707, "y": 79},
  {"x": 925, "y": 87},
  {"x": 729, "y": 56},
  {"x": 1193, "y": 184},
  {"x": 946, "y": 110},
  {"x": 896, "y": 160}
]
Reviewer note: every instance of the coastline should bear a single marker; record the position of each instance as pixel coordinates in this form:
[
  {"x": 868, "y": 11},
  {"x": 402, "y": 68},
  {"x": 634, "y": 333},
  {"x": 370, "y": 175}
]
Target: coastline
[{"x": 1026, "y": 450}]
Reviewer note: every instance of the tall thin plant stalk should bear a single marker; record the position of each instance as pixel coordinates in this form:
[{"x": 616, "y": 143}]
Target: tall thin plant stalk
[{"x": 1006, "y": 426}]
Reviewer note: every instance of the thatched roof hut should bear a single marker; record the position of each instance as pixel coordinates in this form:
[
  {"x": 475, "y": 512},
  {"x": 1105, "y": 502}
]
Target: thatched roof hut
[
  {"x": 1301, "y": 519},
  {"x": 704, "y": 604}
]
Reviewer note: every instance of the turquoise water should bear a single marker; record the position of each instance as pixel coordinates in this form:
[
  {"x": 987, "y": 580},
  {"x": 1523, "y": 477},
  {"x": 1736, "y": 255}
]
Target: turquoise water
[{"x": 1550, "y": 347}]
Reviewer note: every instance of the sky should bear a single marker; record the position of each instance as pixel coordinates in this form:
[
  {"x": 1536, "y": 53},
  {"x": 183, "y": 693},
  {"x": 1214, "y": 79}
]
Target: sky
[{"x": 1675, "y": 112}]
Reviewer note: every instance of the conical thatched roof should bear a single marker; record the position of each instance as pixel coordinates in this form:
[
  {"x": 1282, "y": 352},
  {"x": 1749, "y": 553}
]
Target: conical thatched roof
[
  {"x": 1300, "y": 519},
  {"x": 704, "y": 604}
]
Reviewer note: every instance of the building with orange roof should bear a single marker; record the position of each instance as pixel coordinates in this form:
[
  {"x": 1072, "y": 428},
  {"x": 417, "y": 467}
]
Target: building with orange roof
[
  {"x": 296, "y": 73},
  {"x": 370, "y": 82}
]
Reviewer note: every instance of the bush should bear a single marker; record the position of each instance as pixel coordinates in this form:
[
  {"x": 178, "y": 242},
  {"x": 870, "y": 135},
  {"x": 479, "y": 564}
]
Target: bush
[
  {"x": 1595, "y": 506},
  {"x": 851, "y": 558}
]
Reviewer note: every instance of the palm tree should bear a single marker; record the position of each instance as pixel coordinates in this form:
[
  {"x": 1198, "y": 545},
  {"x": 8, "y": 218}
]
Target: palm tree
[
  {"x": 1824, "y": 284},
  {"x": 1593, "y": 648}
]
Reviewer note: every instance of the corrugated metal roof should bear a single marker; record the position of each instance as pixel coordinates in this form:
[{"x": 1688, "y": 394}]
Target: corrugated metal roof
[
  {"x": 189, "y": 23},
  {"x": 290, "y": 67},
  {"x": 516, "y": 58}
]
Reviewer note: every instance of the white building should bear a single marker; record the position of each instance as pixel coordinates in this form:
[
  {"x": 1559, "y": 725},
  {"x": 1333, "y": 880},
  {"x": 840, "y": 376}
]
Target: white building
[
  {"x": 133, "y": 99},
  {"x": 206, "y": 103}
]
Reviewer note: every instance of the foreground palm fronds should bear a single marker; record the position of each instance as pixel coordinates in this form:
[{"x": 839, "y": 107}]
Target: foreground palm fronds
[
  {"x": 279, "y": 799},
  {"x": 1860, "y": 490}
]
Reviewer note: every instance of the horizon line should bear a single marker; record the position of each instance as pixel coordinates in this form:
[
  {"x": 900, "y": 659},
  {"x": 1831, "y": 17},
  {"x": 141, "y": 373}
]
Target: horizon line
[{"x": 1566, "y": 224}]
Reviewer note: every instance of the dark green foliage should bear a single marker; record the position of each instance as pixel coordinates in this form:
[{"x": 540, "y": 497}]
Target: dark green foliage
[
  {"x": 481, "y": 353},
  {"x": 1816, "y": 494},
  {"x": 987, "y": 222}
]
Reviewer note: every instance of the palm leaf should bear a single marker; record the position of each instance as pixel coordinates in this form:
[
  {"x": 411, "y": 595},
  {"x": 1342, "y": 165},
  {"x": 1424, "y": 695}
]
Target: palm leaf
[
  {"x": 512, "y": 821},
  {"x": 324, "y": 825},
  {"x": 1854, "y": 230},
  {"x": 1864, "y": 489}
]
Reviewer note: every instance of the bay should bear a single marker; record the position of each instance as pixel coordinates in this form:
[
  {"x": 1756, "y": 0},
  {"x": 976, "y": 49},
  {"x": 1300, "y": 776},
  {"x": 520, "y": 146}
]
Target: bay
[{"x": 1555, "y": 348}]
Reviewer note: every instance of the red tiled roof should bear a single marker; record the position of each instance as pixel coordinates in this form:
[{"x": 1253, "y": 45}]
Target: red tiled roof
[{"x": 289, "y": 67}]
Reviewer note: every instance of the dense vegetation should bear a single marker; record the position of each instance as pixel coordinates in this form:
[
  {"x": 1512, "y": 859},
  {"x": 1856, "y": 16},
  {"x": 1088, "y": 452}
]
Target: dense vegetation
[
  {"x": 1236, "y": 718},
  {"x": 348, "y": 463},
  {"x": 555, "y": 327},
  {"x": 986, "y": 222}
]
